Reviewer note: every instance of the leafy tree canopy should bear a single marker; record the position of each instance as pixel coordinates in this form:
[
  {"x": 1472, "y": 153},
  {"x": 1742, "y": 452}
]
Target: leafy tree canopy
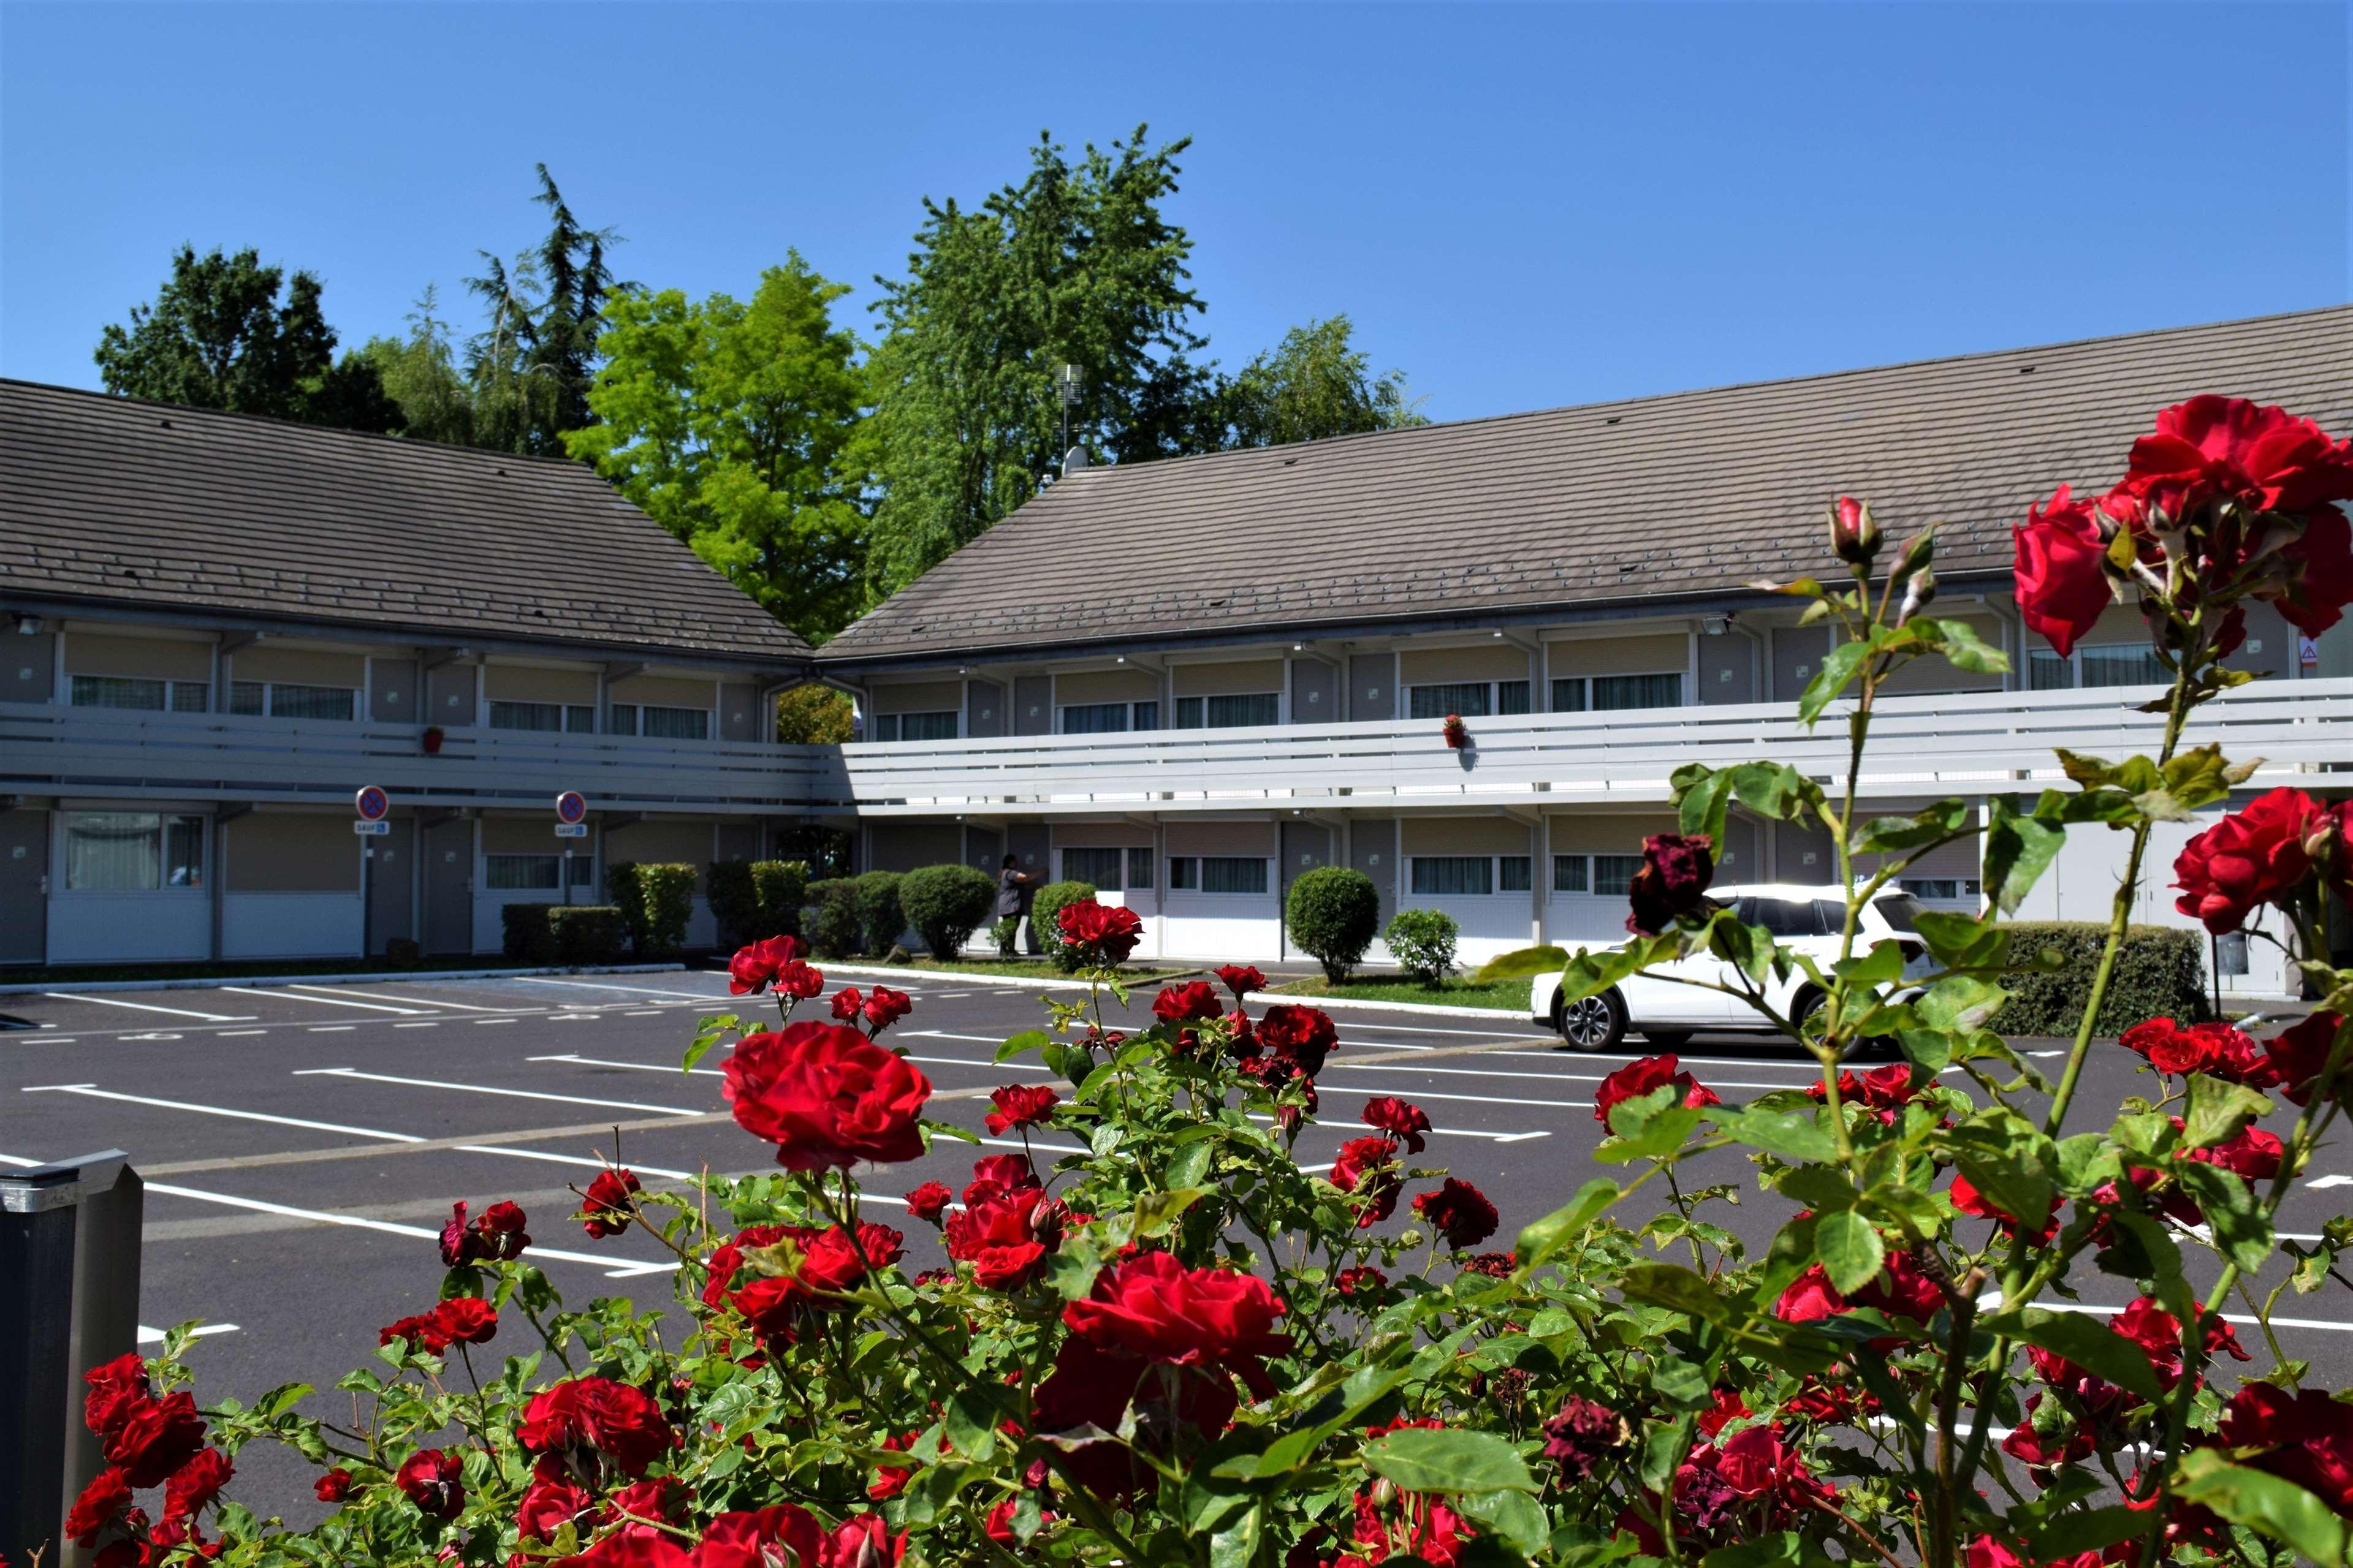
[
  {"x": 1074, "y": 265},
  {"x": 729, "y": 423},
  {"x": 533, "y": 364},
  {"x": 1316, "y": 383},
  {"x": 813, "y": 715},
  {"x": 420, "y": 372},
  {"x": 219, "y": 336}
]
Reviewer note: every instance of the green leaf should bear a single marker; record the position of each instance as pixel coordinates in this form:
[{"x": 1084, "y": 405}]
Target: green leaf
[
  {"x": 1782, "y": 1549},
  {"x": 2093, "y": 1345},
  {"x": 1448, "y": 1460},
  {"x": 1831, "y": 679},
  {"x": 971, "y": 1425},
  {"x": 1027, "y": 1040},
  {"x": 1962, "y": 648},
  {"x": 1850, "y": 1250},
  {"x": 2018, "y": 849},
  {"x": 1590, "y": 973},
  {"x": 1958, "y": 941},
  {"x": 1702, "y": 799},
  {"x": 1795, "y": 1135},
  {"x": 1511, "y": 1515},
  {"x": 1933, "y": 825},
  {"x": 714, "y": 1029},
  {"x": 1650, "y": 1126},
  {"x": 2218, "y": 1110},
  {"x": 1236, "y": 1545},
  {"x": 1156, "y": 1212},
  {"x": 2071, "y": 1535},
  {"x": 1540, "y": 1240},
  {"x": 2264, "y": 1503},
  {"x": 2241, "y": 1227},
  {"x": 1676, "y": 1288},
  {"x": 1191, "y": 1163}
]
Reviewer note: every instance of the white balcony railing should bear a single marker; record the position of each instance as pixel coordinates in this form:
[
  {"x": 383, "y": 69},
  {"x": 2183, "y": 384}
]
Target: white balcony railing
[
  {"x": 107, "y": 752},
  {"x": 1964, "y": 745},
  {"x": 1987, "y": 743}
]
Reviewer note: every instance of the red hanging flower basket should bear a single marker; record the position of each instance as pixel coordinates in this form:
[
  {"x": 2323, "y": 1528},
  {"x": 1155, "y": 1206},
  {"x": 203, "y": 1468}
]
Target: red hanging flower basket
[
  {"x": 432, "y": 740},
  {"x": 1457, "y": 735}
]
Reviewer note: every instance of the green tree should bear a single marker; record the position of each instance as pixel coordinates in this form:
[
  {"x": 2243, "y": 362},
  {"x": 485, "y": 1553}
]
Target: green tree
[
  {"x": 533, "y": 363},
  {"x": 1314, "y": 384},
  {"x": 218, "y": 336},
  {"x": 420, "y": 372},
  {"x": 813, "y": 715},
  {"x": 730, "y": 424},
  {"x": 1074, "y": 265}
]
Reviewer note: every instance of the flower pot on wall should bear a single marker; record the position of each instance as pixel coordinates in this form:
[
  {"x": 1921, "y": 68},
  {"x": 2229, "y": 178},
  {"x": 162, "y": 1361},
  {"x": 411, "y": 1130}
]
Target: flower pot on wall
[
  {"x": 1457, "y": 735},
  {"x": 432, "y": 740}
]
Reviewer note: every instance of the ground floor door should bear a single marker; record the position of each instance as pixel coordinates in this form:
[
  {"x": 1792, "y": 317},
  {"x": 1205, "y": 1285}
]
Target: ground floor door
[
  {"x": 23, "y": 886},
  {"x": 450, "y": 887}
]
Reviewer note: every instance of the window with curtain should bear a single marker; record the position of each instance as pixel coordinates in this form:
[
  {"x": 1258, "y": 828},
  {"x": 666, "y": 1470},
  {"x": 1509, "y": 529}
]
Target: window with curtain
[
  {"x": 1242, "y": 709},
  {"x": 133, "y": 851},
  {"x": 1467, "y": 697},
  {"x": 580, "y": 718},
  {"x": 1613, "y": 692},
  {"x": 2048, "y": 671},
  {"x": 679, "y": 723},
  {"x": 1094, "y": 717},
  {"x": 512, "y": 872},
  {"x": 1233, "y": 874},
  {"x": 1568, "y": 695},
  {"x": 339, "y": 702},
  {"x": 1100, "y": 867},
  {"x": 1139, "y": 869},
  {"x": 546, "y": 716},
  {"x": 1184, "y": 873},
  {"x": 1569, "y": 874},
  {"x": 1147, "y": 715},
  {"x": 1452, "y": 876},
  {"x": 1515, "y": 873},
  {"x": 621, "y": 718},
  {"x": 1613, "y": 874},
  {"x": 249, "y": 697},
  {"x": 2121, "y": 664},
  {"x": 1511, "y": 696}
]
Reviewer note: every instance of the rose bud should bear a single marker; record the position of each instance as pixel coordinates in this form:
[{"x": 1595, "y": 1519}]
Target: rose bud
[{"x": 1854, "y": 537}]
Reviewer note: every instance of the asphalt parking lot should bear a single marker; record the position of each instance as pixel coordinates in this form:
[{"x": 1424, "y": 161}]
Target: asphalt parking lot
[{"x": 302, "y": 1145}]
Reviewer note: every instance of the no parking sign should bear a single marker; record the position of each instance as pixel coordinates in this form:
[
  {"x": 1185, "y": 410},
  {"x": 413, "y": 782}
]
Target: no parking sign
[
  {"x": 371, "y": 803},
  {"x": 571, "y": 812}
]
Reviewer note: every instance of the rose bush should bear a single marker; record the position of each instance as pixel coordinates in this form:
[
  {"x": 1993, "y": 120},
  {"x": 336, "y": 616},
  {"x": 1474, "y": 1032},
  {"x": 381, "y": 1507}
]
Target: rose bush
[{"x": 1176, "y": 1345}]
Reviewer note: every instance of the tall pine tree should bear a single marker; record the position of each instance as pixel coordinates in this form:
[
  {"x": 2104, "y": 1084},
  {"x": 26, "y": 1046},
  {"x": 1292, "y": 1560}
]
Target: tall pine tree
[{"x": 532, "y": 365}]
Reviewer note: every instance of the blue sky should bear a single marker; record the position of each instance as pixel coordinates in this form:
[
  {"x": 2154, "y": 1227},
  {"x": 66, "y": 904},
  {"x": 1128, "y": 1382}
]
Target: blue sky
[{"x": 1519, "y": 206}]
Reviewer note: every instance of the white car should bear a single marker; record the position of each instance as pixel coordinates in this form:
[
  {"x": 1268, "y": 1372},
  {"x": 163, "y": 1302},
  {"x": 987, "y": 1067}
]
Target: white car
[{"x": 1651, "y": 1003}]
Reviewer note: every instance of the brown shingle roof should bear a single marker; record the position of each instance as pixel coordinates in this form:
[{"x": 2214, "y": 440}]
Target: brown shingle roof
[
  {"x": 107, "y": 498},
  {"x": 1685, "y": 494}
]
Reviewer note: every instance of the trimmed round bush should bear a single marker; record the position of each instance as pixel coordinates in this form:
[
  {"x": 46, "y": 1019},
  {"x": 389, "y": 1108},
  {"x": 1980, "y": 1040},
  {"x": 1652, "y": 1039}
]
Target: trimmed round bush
[
  {"x": 1332, "y": 914},
  {"x": 1422, "y": 943},
  {"x": 946, "y": 904},
  {"x": 880, "y": 917},
  {"x": 1042, "y": 910}
]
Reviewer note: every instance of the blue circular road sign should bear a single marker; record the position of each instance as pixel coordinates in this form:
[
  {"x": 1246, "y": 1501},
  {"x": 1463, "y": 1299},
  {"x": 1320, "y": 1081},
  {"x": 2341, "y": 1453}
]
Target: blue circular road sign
[
  {"x": 571, "y": 807},
  {"x": 371, "y": 803}
]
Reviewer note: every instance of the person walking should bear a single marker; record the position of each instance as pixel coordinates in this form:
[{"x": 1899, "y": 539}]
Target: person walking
[{"x": 1015, "y": 889}]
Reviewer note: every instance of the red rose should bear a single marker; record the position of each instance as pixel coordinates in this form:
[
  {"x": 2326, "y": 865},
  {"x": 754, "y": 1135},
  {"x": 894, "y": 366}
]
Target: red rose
[
  {"x": 826, "y": 1095},
  {"x": 334, "y": 1485},
  {"x": 1361, "y": 1280},
  {"x": 501, "y": 1232},
  {"x": 889, "y": 1480},
  {"x": 2213, "y": 450},
  {"x": 998, "y": 1526},
  {"x": 1005, "y": 1233},
  {"x": 116, "y": 1389},
  {"x": 847, "y": 1003},
  {"x": 2321, "y": 583},
  {"x": 423, "y": 1332},
  {"x": 604, "y": 1207},
  {"x": 649, "y": 1548},
  {"x": 2299, "y": 1055},
  {"x": 1101, "y": 935},
  {"x": 1241, "y": 979},
  {"x": 2216, "y": 1050},
  {"x": 1900, "y": 1290},
  {"x": 457, "y": 1238},
  {"x": 1969, "y": 1200},
  {"x": 1151, "y": 1307},
  {"x": 2063, "y": 585},
  {"x": 467, "y": 1321},
  {"x": 664, "y": 1498},
  {"x": 2257, "y": 855},
  {"x": 885, "y": 1007},
  {"x": 1393, "y": 1116},
  {"x": 1368, "y": 1166},
  {"x": 1676, "y": 870},
  {"x": 1020, "y": 1105},
  {"x": 1583, "y": 1435},
  {"x": 798, "y": 981},
  {"x": 1302, "y": 1035},
  {"x": 761, "y": 1539},
  {"x": 1001, "y": 1169},
  {"x": 755, "y": 967},
  {"x": 2307, "y": 1437},
  {"x": 102, "y": 1503},
  {"x": 929, "y": 1201},
  {"x": 2252, "y": 1154},
  {"x": 828, "y": 1265},
  {"x": 1646, "y": 1075},
  {"x": 1183, "y": 1003},
  {"x": 1461, "y": 1212},
  {"x": 585, "y": 1416},
  {"x": 155, "y": 1438},
  {"x": 861, "y": 1540},
  {"x": 551, "y": 1502},
  {"x": 433, "y": 1481}
]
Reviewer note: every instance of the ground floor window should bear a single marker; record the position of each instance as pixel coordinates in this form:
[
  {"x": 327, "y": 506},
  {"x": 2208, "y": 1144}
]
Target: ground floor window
[
  {"x": 1218, "y": 873},
  {"x": 284, "y": 699},
  {"x": 1233, "y": 711},
  {"x": 1109, "y": 717},
  {"x": 139, "y": 692},
  {"x": 1470, "y": 699},
  {"x": 1469, "y": 875},
  {"x": 133, "y": 851},
  {"x": 1604, "y": 875},
  {"x": 525, "y": 872},
  {"x": 1102, "y": 868},
  {"x": 1139, "y": 869},
  {"x": 1945, "y": 888},
  {"x": 940, "y": 726}
]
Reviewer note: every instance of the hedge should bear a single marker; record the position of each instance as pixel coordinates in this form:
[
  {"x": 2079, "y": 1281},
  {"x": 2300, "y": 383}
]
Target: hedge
[
  {"x": 830, "y": 913},
  {"x": 2160, "y": 972},
  {"x": 655, "y": 901},
  {"x": 563, "y": 933},
  {"x": 755, "y": 899},
  {"x": 1332, "y": 914},
  {"x": 880, "y": 917},
  {"x": 946, "y": 904},
  {"x": 1042, "y": 910}
]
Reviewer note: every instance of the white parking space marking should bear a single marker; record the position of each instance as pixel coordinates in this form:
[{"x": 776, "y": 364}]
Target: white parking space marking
[
  {"x": 332, "y": 1028},
  {"x": 93, "y": 1091},
  {"x": 494, "y": 1020},
  {"x": 148, "y": 1336},
  {"x": 150, "y": 1007},
  {"x": 239, "y": 1034},
  {"x": 417, "y": 1001},
  {"x": 635, "y": 990},
  {"x": 1353, "y": 1028},
  {"x": 488, "y": 1089},
  {"x": 293, "y": 996}
]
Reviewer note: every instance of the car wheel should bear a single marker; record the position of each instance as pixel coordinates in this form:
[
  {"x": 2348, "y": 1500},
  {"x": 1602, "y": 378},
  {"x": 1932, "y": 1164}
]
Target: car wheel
[
  {"x": 1668, "y": 1039},
  {"x": 1591, "y": 1023}
]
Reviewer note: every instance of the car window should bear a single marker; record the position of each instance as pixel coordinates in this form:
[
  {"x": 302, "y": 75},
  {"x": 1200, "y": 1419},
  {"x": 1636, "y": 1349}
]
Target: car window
[
  {"x": 1833, "y": 914},
  {"x": 1900, "y": 910},
  {"x": 1780, "y": 917}
]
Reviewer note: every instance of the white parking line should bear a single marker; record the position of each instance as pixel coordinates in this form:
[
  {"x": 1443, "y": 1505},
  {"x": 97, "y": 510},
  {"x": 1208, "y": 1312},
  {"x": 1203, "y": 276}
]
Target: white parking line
[
  {"x": 640, "y": 990},
  {"x": 419, "y": 1001},
  {"x": 434, "y": 1025},
  {"x": 238, "y": 1034},
  {"x": 148, "y": 1336},
  {"x": 151, "y": 1007},
  {"x": 644, "y": 1012},
  {"x": 293, "y": 996},
  {"x": 494, "y": 1020},
  {"x": 94, "y": 1092},
  {"x": 488, "y": 1088},
  {"x": 332, "y": 1028}
]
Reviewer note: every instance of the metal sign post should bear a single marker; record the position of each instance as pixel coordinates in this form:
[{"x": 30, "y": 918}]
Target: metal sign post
[
  {"x": 372, "y": 805},
  {"x": 571, "y": 822}
]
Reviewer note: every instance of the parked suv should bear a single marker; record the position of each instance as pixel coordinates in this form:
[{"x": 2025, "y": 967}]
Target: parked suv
[{"x": 1808, "y": 920}]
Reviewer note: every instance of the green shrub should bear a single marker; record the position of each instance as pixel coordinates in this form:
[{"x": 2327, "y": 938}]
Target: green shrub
[
  {"x": 946, "y": 904},
  {"x": 755, "y": 899},
  {"x": 1522, "y": 961},
  {"x": 586, "y": 933},
  {"x": 2160, "y": 972},
  {"x": 881, "y": 918},
  {"x": 1042, "y": 910},
  {"x": 1006, "y": 932},
  {"x": 1333, "y": 913},
  {"x": 830, "y": 910},
  {"x": 526, "y": 935},
  {"x": 655, "y": 901},
  {"x": 1422, "y": 943}
]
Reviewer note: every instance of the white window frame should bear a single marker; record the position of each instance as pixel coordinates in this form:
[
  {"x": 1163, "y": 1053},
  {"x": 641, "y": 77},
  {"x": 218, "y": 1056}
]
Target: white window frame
[
  {"x": 887, "y": 726},
  {"x": 172, "y": 686},
  {"x": 1682, "y": 691},
  {"x": 2072, "y": 663},
  {"x": 270, "y": 689},
  {"x": 1592, "y": 874},
  {"x": 1496, "y": 888},
  {"x": 1130, "y": 726},
  {"x": 1195, "y": 890},
  {"x": 1494, "y": 689},
  {"x": 1203, "y": 699},
  {"x": 584, "y": 870},
  {"x": 62, "y": 857},
  {"x": 1117, "y": 885}
]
